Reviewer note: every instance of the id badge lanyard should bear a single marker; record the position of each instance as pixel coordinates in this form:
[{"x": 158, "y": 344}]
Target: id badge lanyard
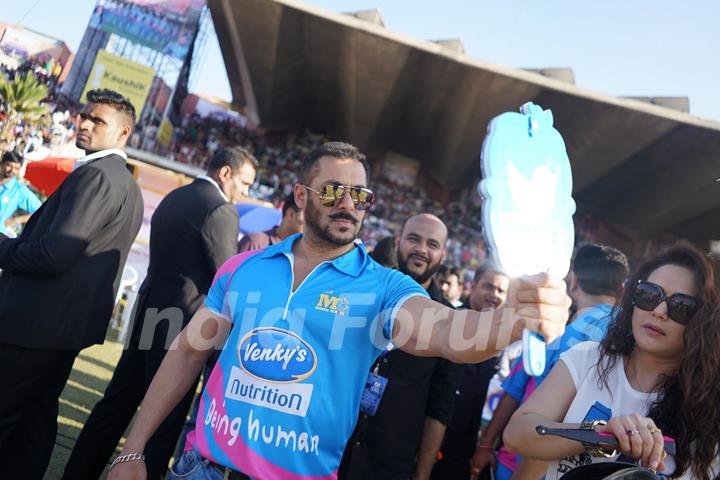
[
  {"x": 374, "y": 388},
  {"x": 379, "y": 360}
]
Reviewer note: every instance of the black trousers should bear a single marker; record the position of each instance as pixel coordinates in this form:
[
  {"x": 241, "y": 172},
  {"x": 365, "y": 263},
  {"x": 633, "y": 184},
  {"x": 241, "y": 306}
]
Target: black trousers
[
  {"x": 112, "y": 414},
  {"x": 30, "y": 385}
]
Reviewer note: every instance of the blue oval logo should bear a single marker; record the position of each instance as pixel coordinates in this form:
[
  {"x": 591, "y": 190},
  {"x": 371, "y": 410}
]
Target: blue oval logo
[{"x": 276, "y": 355}]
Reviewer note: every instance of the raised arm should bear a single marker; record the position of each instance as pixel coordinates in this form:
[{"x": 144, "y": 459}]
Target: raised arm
[
  {"x": 178, "y": 371},
  {"x": 426, "y": 328}
]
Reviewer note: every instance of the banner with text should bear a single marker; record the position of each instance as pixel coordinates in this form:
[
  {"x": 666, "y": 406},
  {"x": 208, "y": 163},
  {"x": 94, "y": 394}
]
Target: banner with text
[{"x": 126, "y": 77}]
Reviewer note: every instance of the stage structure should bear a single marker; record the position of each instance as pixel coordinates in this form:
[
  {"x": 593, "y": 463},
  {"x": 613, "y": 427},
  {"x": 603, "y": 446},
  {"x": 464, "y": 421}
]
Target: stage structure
[
  {"x": 142, "y": 48},
  {"x": 643, "y": 167}
]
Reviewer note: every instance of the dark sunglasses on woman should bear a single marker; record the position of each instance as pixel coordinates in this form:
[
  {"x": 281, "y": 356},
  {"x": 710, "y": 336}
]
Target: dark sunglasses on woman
[
  {"x": 331, "y": 193},
  {"x": 680, "y": 307}
]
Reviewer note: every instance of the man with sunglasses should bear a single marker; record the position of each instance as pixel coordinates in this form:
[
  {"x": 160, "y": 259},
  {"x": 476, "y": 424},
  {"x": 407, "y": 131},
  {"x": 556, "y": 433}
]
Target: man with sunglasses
[{"x": 302, "y": 321}]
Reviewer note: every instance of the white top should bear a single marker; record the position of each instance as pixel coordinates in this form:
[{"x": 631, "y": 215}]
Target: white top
[
  {"x": 580, "y": 361},
  {"x": 94, "y": 156},
  {"x": 620, "y": 398}
]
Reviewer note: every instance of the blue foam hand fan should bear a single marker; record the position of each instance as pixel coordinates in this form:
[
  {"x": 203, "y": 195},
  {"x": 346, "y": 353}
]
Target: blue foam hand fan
[{"x": 528, "y": 204}]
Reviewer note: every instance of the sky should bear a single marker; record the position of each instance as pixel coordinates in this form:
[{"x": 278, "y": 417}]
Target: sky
[{"x": 617, "y": 47}]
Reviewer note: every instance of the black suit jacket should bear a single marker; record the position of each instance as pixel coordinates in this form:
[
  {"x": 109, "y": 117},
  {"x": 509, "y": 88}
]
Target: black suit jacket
[
  {"x": 60, "y": 277},
  {"x": 193, "y": 232}
]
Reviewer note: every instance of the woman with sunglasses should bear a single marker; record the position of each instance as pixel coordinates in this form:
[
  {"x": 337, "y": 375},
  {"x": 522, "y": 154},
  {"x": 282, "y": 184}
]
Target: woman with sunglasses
[{"x": 655, "y": 374}]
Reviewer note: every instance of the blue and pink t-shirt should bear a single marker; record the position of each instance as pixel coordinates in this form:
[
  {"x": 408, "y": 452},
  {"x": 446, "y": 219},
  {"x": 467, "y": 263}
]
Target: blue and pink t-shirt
[{"x": 284, "y": 395}]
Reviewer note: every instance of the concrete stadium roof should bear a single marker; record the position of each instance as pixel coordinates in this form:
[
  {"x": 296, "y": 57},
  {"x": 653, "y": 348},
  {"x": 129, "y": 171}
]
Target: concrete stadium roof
[{"x": 643, "y": 168}]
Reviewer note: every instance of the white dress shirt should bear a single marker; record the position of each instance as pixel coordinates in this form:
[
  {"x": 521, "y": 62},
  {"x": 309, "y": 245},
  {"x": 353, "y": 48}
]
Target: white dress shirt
[
  {"x": 208, "y": 179},
  {"x": 94, "y": 156}
]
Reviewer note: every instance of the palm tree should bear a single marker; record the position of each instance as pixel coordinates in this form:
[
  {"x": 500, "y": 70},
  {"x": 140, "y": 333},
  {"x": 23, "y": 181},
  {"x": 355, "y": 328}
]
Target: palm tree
[{"x": 20, "y": 99}]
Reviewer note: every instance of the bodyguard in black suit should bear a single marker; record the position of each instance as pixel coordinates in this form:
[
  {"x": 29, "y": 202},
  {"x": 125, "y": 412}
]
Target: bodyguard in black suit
[
  {"x": 193, "y": 232},
  {"x": 59, "y": 282}
]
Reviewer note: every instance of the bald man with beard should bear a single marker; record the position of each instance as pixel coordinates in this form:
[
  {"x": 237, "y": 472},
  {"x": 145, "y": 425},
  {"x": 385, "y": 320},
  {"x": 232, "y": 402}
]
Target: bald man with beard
[{"x": 418, "y": 401}]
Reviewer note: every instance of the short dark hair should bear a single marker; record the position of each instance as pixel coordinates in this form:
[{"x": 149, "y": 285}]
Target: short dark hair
[
  {"x": 11, "y": 156},
  {"x": 487, "y": 266},
  {"x": 289, "y": 203},
  {"x": 600, "y": 269},
  {"x": 385, "y": 253},
  {"x": 233, "y": 157},
  {"x": 456, "y": 271},
  {"x": 111, "y": 97},
  {"x": 335, "y": 150},
  {"x": 443, "y": 270},
  {"x": 447, "y": 270}
]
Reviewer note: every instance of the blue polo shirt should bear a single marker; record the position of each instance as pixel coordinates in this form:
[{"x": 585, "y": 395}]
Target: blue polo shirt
[
  {"x": 16, "y": 196},
  {"x": 285, "y": 393},
  {"x": 591, "y": 324}
]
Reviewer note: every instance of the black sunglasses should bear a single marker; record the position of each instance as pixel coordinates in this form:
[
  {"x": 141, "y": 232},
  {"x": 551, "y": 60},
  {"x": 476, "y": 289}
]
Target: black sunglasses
[
  {"x": 680, "y": 307},
  {"x": 331, "y": 193}
]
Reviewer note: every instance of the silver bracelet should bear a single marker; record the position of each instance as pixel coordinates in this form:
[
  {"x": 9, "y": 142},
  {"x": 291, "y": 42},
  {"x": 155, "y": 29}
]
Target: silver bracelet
[{"x": 129, "y": 457}]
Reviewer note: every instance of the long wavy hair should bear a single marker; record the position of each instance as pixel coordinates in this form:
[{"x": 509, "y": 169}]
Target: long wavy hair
[{"x": 687, "y": 407}]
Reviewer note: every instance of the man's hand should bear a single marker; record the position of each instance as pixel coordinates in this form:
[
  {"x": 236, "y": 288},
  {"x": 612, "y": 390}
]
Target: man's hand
[
  {"x": 432, "y": 437},
  {"x": 484, "y": 457},
  {"x": 134, "y": 470},
  {"x": 539, "y": 303}
]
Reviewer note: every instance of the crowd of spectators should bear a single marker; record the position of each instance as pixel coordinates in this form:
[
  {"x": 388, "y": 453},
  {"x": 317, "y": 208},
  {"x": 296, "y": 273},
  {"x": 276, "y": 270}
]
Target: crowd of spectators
[
  {"x": 56, "y": 127},
  {"x": 199, "y": 137},
  {"x": 45, "y": 68},
  {"x": 28, "y": 137}
]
